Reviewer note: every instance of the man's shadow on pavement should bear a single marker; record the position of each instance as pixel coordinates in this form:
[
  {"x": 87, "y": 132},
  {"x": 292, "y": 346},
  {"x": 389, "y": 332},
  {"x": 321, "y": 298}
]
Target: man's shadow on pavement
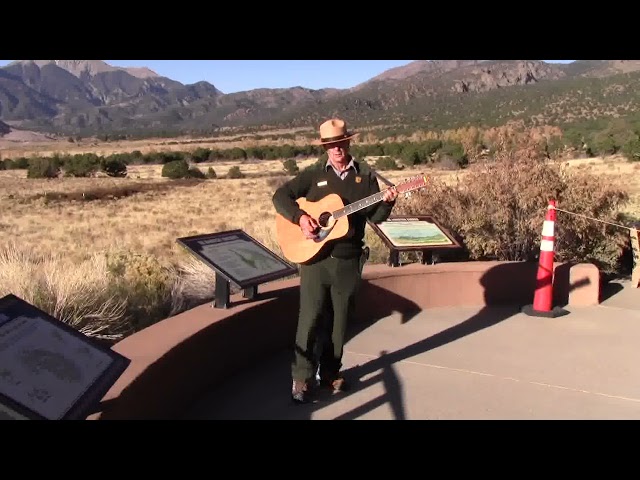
[
  {"x": 500, "y": 285},
  {"x": 263, "y": 392}
]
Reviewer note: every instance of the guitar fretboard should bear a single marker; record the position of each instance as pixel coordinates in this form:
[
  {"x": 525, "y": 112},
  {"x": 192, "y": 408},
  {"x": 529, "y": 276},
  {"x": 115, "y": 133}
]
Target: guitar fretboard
[
  {"x": 359, "y": 205},
  {"x": 420, "y": 182}
]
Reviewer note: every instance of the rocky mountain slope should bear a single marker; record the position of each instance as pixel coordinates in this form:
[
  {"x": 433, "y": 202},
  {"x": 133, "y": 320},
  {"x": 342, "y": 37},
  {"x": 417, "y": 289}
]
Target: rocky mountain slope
[
  {"x": 89, "y": 96},
  {"x": 4, "y": 129}
]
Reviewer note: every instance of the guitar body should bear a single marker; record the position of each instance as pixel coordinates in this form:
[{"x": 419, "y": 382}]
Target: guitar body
[
  {"x": 299, "y": 249},
  {"x": 332, "y": 215}
]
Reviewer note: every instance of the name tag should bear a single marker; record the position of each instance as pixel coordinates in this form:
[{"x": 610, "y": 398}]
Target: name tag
[{"x": 322, "y": 184}]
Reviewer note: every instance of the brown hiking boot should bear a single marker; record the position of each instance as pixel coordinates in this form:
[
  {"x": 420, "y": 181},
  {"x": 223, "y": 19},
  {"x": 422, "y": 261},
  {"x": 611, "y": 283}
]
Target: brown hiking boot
[
  {"x": 336, "y": 384},
  {"x": 300, "y": 391}
]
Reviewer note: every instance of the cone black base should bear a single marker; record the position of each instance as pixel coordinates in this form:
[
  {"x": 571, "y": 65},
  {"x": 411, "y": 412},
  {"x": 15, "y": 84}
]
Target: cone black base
[{"x": 555, "y": 312}]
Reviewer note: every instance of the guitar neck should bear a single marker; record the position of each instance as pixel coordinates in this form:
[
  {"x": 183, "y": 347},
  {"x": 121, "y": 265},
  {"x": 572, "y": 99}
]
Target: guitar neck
[
  {"x": 359, "y": 205},
  {"x": 405, "y": 187}
]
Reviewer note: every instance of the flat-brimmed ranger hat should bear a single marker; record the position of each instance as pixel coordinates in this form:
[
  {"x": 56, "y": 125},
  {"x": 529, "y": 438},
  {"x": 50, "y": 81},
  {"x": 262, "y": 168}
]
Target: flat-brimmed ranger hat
[{"x": 334, "y": 130}]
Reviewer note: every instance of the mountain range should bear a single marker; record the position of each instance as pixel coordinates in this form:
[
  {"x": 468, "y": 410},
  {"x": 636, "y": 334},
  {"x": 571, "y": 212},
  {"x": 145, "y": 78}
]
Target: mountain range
[{"x": 88, "y": 97}]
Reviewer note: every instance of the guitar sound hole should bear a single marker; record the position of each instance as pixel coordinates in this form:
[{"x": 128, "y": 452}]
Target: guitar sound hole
[{"x": 323, "y": 220}]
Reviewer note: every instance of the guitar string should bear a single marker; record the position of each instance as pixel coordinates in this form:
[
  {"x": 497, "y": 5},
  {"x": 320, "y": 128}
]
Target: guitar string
[{"x": 343, "y": 211}]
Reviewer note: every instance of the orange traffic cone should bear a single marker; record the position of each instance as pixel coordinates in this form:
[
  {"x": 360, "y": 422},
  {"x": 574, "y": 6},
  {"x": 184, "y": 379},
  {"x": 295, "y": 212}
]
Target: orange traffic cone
[{"x": 543, "y": 298}]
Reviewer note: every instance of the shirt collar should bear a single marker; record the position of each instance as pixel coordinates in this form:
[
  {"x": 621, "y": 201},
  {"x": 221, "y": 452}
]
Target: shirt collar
[{"x": 350, "y": 165}]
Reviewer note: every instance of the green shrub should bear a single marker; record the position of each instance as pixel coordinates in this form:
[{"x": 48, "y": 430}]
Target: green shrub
[
  {"x": 114, "y": 167},
  {"x": 411, "y": 156},
  {"x": 43, "y": 168},
  {"x": 497, "y": 211},
  {"x": 21, "y": 163},
  {"x": 176, "y": 169},
  {"x": 386, "y": 163},
  {"x": 211, "y": 173},
  {"x": 554, "y": 147},
  {"x": 290, "y": 166},
  {"x": 195, "y": 172},
  {"x": 631, "y": 150},
  {"x": 144, "y": 282},
  {"x": 453, "y": 152},
  {"x": 235, "y": 172},
  {"x": 84, "y": 165},
  {"x": 200, "y": 155}
]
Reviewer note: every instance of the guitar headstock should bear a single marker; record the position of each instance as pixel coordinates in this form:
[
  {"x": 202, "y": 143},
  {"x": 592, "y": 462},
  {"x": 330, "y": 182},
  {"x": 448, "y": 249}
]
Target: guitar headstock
[{"x": 414, "y": 183}]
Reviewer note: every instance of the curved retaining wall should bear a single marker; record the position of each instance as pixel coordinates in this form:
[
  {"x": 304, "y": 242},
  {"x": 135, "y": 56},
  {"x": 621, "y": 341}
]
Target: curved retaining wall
[{"x": 176, "y": 360}]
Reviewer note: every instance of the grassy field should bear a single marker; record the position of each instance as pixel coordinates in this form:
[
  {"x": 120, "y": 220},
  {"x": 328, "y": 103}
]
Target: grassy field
[
  {"x": 15, "y": 149},
  {"x": 626, "y": 174},
  {"x": 36, "y": 212},
  {"x": 65, "y": 241},
  {"x": 150, "y": 221}
]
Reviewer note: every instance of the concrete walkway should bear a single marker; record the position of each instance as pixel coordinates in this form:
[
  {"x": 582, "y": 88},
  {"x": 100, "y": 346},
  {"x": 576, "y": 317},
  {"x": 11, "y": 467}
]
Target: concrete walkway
[{"x": 465, "y": 363}]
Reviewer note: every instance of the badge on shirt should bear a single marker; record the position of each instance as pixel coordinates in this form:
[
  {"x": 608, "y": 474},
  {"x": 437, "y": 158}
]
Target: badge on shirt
[
  {"x": 322, "y": 184},
  {"x": 358, "y": 179}
]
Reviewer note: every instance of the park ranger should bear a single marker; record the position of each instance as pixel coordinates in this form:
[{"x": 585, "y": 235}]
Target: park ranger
[{"x": 329, "y": 280}]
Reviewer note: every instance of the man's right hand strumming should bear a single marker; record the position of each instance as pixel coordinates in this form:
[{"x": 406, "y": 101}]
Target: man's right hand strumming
[{"x": 309, "y": 227}]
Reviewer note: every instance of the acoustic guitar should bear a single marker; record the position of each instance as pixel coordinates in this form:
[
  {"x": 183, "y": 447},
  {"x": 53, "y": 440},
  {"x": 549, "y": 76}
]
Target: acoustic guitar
[{"x": 332, "y": 216}]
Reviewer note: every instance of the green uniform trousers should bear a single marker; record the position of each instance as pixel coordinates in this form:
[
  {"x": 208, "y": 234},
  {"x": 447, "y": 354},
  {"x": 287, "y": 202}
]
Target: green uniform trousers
[{"x": 327, "y": 301}]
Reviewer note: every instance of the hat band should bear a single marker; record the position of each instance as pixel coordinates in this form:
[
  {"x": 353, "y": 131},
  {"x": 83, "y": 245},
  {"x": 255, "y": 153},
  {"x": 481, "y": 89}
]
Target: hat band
[{"x": 333, "y": 139}]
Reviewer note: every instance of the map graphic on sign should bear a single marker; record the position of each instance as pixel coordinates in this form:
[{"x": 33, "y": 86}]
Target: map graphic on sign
[
  {"x": 46, "y": 369},
  {"x": 242, "y": 259},
  {"x": 414, "y": 233}
]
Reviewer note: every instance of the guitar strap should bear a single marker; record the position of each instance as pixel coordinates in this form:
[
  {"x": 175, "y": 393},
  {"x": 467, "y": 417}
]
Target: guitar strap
[
  {"x": 382, "y": 178},
  {"x": 366, "y": 251}
]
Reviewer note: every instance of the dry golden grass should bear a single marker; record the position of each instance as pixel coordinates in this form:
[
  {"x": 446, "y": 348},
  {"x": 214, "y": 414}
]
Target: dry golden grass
[
  {"x": 251, "y": 168},
  {"x": 62, "y": 146},
  {"x": 152, "y": 221},
  {"x": 73, "y": 235},
  {"x": 78, "y": 293},
  {"x": 149, "y": 221},
  {"x": 627, "y": 174}
]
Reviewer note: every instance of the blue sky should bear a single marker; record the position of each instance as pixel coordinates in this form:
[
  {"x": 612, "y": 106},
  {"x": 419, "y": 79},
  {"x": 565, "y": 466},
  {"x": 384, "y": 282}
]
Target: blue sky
[{"x": 231, "y": 76}]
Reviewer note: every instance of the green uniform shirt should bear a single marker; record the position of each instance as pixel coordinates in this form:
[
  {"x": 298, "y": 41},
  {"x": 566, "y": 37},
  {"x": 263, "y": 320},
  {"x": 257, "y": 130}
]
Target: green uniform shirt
[{"x": 316, "y": 182}]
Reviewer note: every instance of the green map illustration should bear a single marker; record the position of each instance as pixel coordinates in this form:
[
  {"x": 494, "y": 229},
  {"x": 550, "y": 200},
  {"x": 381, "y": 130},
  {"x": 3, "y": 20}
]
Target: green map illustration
[
  {"x": 414, "y": 233},
  {"x": 255, "y": 259},
  {"x": 44, "y": 368},
  {"x": 241, "y": 259}
]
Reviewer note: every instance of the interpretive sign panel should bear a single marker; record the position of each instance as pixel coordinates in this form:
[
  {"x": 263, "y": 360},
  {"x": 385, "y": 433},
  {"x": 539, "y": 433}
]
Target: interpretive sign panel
[
  {"x": 413, "y": 233},
  {"x": 49, "y": 370},
  {"x": 237, "y": 258}
]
